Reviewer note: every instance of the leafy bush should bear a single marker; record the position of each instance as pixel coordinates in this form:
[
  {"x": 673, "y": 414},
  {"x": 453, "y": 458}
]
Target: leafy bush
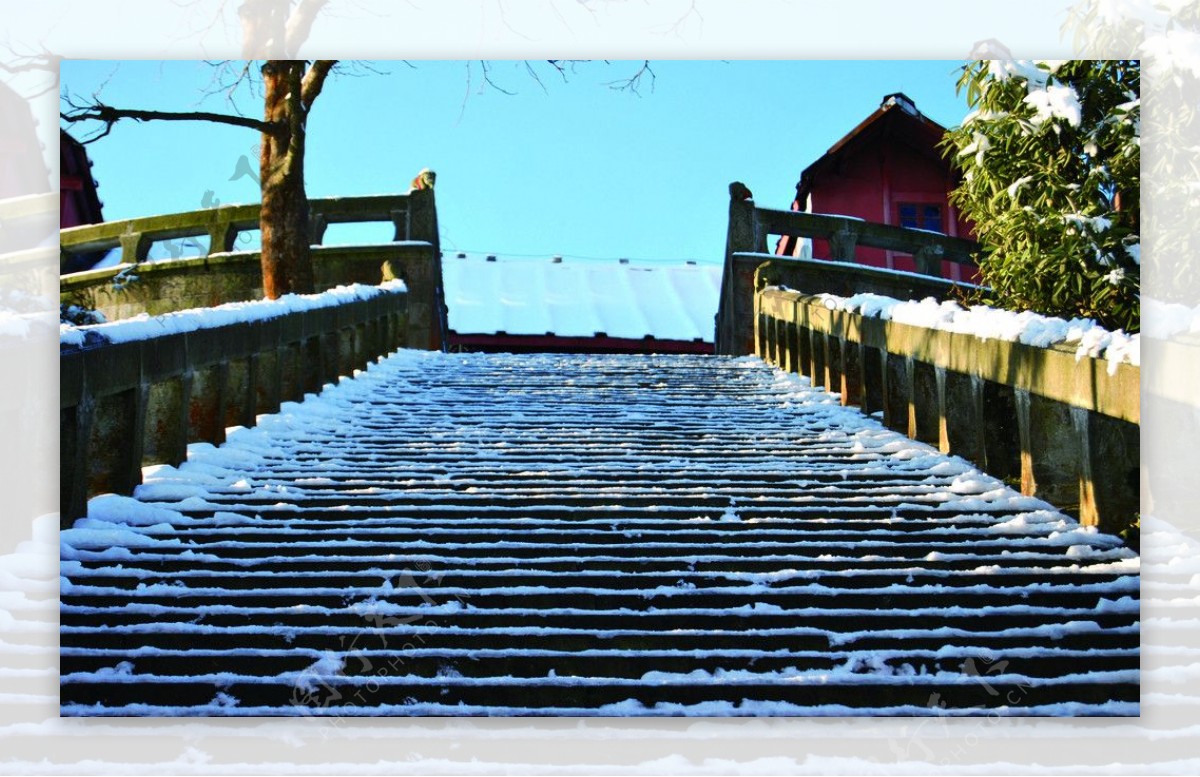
[{"x": 1050, "y": 157}]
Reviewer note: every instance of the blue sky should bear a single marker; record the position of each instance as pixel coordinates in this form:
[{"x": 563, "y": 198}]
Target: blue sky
[{"x": 573, "y": 168}]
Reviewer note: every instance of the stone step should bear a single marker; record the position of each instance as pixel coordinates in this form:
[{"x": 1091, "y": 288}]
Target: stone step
[
  {"x": 1084, "y": 636},
  {"x": 191, "y": 577},
  {"x": 789, "y": 552},
  {"x": 587, "y": 597},
  {"x": 427, "y": 564},
  {"x": 549, "y": 616},
  {"x": 632, "y": 665},
  {"x": 551, "y": 696},
  {"x": 591, "y": 535}
]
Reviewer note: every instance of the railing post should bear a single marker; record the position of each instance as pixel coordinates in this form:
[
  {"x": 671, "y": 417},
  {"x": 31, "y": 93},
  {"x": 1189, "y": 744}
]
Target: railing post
[
  {"x": 221, "y": 237},
  {"x": 135, "y": 247},
  {"x": 735, "y": 309},
  {"x": 842, "y": 243},
  {"x": 929, "y": 260},
  {"x": 402, "y": 223},
  {"x": 426, "y": 305},
  {"x": 317, "y": 224}
]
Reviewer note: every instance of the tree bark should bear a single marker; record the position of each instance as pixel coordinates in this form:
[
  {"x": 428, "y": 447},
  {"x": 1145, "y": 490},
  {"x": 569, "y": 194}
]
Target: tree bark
[{"x": 286, "y": 259}]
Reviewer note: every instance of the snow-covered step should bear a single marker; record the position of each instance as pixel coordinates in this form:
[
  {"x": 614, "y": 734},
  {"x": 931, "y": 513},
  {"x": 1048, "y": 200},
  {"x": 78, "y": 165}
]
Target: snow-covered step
[
  {"x": 558, "y": 534},
  {"x": 1088, "y": 637}
]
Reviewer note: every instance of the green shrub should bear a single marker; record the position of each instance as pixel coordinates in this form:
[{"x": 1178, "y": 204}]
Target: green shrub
[{"x": 1050, "y": 157}]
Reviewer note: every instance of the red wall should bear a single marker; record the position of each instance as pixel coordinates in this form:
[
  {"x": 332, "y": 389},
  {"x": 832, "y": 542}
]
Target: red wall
[{"x": 871, "y": 182}]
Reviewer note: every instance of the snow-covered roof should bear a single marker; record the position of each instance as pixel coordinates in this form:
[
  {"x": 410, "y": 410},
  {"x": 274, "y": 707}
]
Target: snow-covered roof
[{"x": 569, "y": 297}]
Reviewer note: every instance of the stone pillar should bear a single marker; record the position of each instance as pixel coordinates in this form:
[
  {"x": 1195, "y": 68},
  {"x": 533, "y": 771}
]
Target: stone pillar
[
  {"x": 426, "y": 302},
  {"x": 135, "y": 247},
  {"x": 897, "y": 392},
  {"x": 238, "y": 386},
  {"x": 924, "y": 405},
  {"x": 804, "y": 350},
  {"x": 791, "y": 346},
  {"x": 852, "y": 373},
  {"x": 116, "y": 442},
  {"x": 1109, "y": 492},
  {"x": 834, "y": 369},
  {"x": 74, "y": 439},
  {"x": 1001, "y": 429},
  {"x": 310, "y": 365},
  {"x": 873, "y": 381},
  {"x": 221, "y": 237},
  {"x": 1050, "y": 451},
  {"x": 206, "y": 405},
  {"x": 929, "y": 260},
  {"x": 820, "y": 376},
  {"x": 166, "y": 422},
  {"x": 760, "y": 336},
  {"x": 961, "y": 421}
]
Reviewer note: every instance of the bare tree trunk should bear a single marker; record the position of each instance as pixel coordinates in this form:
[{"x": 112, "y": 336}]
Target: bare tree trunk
[
  {"x": 286, "y": 259},
  {"x": 276, "y": 28}
]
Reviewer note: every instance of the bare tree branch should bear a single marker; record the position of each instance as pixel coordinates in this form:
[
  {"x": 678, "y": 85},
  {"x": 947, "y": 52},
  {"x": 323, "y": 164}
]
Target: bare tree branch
[
  {"x": 486, "y": 66},
  {"x": 228, "y": 77},
  {"x": 634, "y": 82},
  {"x": 110, "y": 116},
  {"x": 42, "y": 62},
  {"x": 299, "y": 24},
  {"x": 314, "y": 79},
  {"x": 534, "y": 75}
]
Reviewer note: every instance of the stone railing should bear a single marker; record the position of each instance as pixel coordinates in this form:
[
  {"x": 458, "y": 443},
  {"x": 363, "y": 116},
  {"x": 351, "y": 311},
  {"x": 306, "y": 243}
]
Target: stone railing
[
  {"x": 746, "y": 249},
  {"x": 224, "y": 275},
  {"x": 1061, "y": 425},
  {"x": 124, "y": 405}
]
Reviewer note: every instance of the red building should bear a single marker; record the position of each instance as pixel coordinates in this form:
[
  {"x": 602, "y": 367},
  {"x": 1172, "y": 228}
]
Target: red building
[
  {"x": 79, "y": 202},
  {"x": 890, "y": 170}
]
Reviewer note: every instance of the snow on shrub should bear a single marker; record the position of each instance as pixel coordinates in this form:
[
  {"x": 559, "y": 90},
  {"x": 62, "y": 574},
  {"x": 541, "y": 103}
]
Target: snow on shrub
[{"x": 1050, "y": 160}]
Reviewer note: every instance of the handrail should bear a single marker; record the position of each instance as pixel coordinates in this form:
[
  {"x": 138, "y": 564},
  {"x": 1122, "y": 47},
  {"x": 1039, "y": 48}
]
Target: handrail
[
  {"x": 749, "y": 226},
  {"x": 845, "y": 232},
  {"x": 28, "y": 205},
  {"x": 129, "y": 403},
  {"x": 1065, "y": 425},
  {"x": 225, "y": 275},
  {"x": 222, "y": 225}
]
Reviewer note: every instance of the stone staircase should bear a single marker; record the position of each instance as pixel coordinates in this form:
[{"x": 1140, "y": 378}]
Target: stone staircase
[{"x": 582, "y": 535}]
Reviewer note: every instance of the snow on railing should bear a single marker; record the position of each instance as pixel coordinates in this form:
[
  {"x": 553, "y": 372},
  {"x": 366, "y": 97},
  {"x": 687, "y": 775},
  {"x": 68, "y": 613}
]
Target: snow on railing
[
  {"x": 137, "y": 392},
  {"x": 987, "y": 323},
  {"x": 1050, "y": 403},
  {"x": 145, "y": 326}
]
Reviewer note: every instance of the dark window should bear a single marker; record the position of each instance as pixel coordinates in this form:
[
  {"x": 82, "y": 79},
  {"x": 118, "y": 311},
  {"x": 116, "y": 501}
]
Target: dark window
[{"x": 916, "y": 215}]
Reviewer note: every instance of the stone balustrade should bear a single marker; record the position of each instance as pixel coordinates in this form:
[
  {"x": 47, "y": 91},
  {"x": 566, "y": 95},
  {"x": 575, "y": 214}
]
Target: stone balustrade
[
  {"x": 125, "y": 405},
  {"x": 746, "y": 249},
  {"x": 224, "y": 275},
  {"x": 1059, "y": 425}
]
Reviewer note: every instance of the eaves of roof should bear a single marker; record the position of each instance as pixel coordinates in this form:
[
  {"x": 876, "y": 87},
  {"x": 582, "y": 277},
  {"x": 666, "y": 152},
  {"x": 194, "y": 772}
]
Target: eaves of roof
[{"x": 894, "y": 120}]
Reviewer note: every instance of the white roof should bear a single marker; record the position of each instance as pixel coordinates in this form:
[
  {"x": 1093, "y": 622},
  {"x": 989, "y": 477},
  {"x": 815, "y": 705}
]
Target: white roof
[{"x": 570, "y": 297}]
